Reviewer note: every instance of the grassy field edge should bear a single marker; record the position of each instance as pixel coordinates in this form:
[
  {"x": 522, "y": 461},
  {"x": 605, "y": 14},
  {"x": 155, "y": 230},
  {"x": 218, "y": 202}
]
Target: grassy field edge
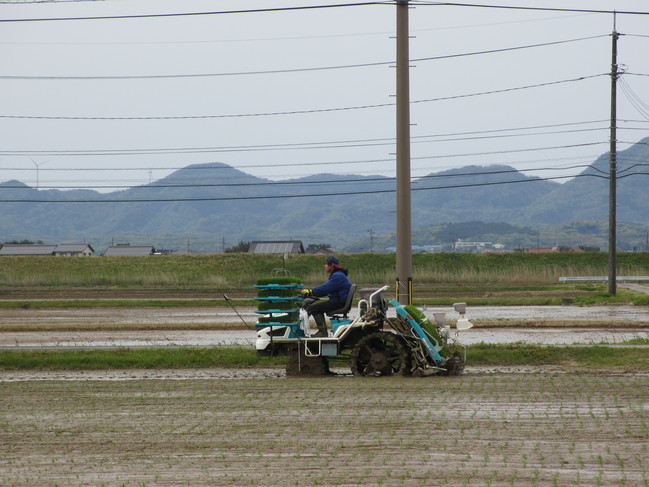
[{"x": 626, "y": 358}]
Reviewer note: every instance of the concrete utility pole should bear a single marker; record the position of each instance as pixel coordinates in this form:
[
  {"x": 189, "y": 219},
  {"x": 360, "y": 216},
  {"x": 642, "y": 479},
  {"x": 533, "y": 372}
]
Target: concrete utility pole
[
  {"x": 404, "y": 224},
  {"x": 612, "y": 220}
]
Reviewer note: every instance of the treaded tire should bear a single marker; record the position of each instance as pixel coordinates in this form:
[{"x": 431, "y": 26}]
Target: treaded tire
[
  {"x": 454, "y": 365},
  {"x": 380, "y": 354},
  {"x": 299, "y": 364}
]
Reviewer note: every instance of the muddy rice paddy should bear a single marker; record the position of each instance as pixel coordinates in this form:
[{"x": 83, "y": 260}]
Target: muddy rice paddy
[
  {"x": 197, "y": 327},
  {"x": 220, "y": 427},
  {"x": 544, "y": 428}
]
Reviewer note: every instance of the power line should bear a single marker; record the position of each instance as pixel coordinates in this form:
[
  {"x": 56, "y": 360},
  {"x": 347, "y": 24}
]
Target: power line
[
  {"x": 261, "y": 166},
  {"x": 266, "y": 147},
  {"x": 450, "y": 137},
  {"x": 296, "y": 70},
  {"x": 634, "y": 99},
  {"x": 542, "y": 9},
  {"x": 267, "y": 39},
  {"x": 194, "y": 14},
  {"x": 319, "y": 181},
  {"x": 316, "y": 110},
  {"x": 323, "y": 6},
  {"x": 418, "y": 138},
  {"x": 266, "y": 197}
]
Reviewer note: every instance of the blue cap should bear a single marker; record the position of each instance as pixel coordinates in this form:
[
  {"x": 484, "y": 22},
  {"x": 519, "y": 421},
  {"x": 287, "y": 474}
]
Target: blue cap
[{"x": 333, "y": 260}]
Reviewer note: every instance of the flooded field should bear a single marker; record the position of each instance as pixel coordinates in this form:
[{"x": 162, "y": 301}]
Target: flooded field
[
  {"x": 503, "y": 315},
  {"x": 551, "y": 325},
  {"x": 206, "y": 338}
]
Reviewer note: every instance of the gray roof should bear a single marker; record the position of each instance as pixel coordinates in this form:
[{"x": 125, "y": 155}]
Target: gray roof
[
  {"x": 27, "y": 249},
  {"x": 277, "y": 247},
  {"x": 128, "y": 250},
  {"x": 68, "y": 248}
]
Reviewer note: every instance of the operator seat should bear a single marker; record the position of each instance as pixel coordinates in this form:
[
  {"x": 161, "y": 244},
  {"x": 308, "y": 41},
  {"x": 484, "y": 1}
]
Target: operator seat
[{"x": 341, "y": 313}]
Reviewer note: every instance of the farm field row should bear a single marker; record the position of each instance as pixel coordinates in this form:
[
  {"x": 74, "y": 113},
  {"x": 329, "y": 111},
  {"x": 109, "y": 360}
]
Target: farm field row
[{"x": 511, "y": 429}]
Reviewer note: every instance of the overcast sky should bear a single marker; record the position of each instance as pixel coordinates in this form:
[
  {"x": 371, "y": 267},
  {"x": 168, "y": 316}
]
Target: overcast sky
[{"x": 106, "y": 102}]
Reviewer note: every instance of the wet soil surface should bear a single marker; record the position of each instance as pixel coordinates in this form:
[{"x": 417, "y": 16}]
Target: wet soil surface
[
  {"x": 107, "y": 327},
  {"x": 213, "y": 428},
  {"x": 513, "y": 426}
]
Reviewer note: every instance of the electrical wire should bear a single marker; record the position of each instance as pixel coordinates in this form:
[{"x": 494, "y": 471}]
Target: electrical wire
[
  {"x": 270, "y": 39},
  {"x": 293, "y": 174},
  {"x": 323, "y": 6},
  {"x": 634, "y": 99},
  {"x": 421, "y": 139},
  {"x": 346, "y": 162},
  {"x": 311, "y": 111},
  {"x": 319, "y": 181},
  {"x": 298, "y": 70},
  {"x": 511, "y": 7},
  {"x": 269, "y": 147},
  {"x": 194, "y": 14},
  {"x": 291, "y": 196}
]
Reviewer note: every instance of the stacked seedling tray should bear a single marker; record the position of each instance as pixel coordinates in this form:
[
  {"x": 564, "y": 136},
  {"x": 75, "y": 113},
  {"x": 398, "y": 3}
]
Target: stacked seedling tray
[{"x": 279, "y": 303}]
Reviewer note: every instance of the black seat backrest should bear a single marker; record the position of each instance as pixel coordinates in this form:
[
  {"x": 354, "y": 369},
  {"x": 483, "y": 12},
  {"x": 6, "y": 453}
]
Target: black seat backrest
[{"x": 348, "y": 304}]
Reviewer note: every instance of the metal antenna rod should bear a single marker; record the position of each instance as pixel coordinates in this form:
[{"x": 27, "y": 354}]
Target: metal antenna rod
[{"x": 225, "y": 296}]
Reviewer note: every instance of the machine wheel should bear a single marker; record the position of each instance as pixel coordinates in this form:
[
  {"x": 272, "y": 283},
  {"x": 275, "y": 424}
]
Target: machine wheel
[
  {"x": 379, "y": 354},
  {"x": 300, "y": 364},
  {"x": 454, "y": 365}
]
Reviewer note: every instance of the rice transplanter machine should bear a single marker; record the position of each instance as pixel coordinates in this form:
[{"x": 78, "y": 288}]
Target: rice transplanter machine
[{"x": 374, "y": 343}]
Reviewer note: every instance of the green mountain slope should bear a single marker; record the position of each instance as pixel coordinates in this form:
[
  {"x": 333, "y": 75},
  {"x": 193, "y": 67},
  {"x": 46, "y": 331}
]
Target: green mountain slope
[{"x": 216, "y": 202}]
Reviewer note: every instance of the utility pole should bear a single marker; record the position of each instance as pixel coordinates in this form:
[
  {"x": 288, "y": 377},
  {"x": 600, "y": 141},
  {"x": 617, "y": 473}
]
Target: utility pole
[
  {"x": 404, "y": 224},
  {"x": 371, "y": 240},
  {"x": 612, "y": 224}
]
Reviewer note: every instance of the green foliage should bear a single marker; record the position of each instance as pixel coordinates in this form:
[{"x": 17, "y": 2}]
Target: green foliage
[
  {"x": 543, "y": 206},
  {"x": 521, "y": 278},
  {"x": 134, "y": 358},
  {"x": 279, "y": 280},
  {"x": 575, "y": 358},
  {"x": 312, "y": 248},
  {"x": 240, "y": 247},
  {"x": 280, "y": 293},
  {"x": 280, "y": 305}
]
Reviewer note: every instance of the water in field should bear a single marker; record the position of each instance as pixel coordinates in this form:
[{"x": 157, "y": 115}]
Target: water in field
[{"x": 622, "y": 319}]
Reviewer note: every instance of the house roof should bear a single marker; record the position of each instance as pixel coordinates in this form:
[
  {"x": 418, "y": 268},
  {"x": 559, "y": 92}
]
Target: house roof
[
  {"x": 27, "y": 249},
  {"x": 128, "y": 250},
  {"x": 72, "y": 248},
  {"x": 276, "y": 247}
]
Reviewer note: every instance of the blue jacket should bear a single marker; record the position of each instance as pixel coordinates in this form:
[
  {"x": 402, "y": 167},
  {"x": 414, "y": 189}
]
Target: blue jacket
[{"x": 336, "y": 287}]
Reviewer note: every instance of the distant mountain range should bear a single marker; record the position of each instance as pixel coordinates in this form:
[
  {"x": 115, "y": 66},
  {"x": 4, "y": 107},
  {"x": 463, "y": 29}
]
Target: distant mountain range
[{"x": 212, "y": 205}]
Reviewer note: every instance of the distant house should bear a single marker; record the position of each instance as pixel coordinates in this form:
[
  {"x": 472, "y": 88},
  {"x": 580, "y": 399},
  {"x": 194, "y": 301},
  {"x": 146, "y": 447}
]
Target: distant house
[
  {"x": 545, "y": 250},
  {"x": 65, "y": 249},
  {"x": 27, "y": 249},
  {"x": 73, "y": 250},
  {"x": 129, "y": 250},
  {"x": 276, "y": 247},
  {"x": 542, "y": 250},
  {"x": 323, "y": 251}
]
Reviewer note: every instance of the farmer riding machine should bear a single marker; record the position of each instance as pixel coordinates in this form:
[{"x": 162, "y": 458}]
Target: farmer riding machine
[{"x": 374, "y": 343}]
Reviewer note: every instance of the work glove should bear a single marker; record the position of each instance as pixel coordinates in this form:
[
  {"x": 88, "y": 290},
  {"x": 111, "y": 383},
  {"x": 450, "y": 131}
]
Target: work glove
[{"x": 305, "y": 292}]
